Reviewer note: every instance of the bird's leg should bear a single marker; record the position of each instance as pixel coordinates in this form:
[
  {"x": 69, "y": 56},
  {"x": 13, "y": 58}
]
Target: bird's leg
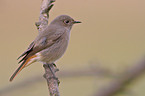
[{"x": 49, "y": 66}]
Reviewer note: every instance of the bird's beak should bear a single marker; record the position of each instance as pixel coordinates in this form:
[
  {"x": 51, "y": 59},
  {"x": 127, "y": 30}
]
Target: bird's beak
[{"x": 77, "y": 22}]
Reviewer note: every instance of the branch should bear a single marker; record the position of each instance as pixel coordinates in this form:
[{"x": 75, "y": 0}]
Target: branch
[
  {"x": 44, "y": 14},
  {"x": 52, "y": 81},
  {"x": 127, "y": 77},
  {"x": 49, "y": 68}
]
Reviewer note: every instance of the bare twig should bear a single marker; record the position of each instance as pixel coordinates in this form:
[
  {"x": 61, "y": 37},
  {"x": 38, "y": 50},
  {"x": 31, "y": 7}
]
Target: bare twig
[
  {"x": 49, "y": 68},
  {"x": 44, "y": 14},
  {"x": 119, "y": 84}
]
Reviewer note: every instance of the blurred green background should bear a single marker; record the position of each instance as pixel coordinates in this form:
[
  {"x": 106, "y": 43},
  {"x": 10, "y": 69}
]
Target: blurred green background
[{"x": 112, "y": 35}]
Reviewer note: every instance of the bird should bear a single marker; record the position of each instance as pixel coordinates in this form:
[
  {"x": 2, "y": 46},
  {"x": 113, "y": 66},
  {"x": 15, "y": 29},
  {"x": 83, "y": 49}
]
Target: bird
[{"x": 49, "y": 45}]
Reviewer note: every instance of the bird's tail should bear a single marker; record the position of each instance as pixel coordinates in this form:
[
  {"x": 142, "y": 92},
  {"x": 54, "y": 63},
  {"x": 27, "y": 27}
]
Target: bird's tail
[
  {"x": 18, "y": 70},
  {"x": 25, "y": 63}
]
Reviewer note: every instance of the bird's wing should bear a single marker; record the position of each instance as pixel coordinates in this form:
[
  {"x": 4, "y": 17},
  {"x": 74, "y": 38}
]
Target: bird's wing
[
  {"x": 28, "y": 50},
  {"x": 40, "y": 44}
]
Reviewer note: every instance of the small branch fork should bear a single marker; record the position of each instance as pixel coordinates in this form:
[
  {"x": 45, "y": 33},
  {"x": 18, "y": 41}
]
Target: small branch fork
[{"x": 50, "y": 69}]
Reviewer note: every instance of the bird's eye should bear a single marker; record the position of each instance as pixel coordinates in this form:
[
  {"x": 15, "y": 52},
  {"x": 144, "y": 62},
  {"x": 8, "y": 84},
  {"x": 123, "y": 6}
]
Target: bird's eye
[{"x": 66, "y": 21}]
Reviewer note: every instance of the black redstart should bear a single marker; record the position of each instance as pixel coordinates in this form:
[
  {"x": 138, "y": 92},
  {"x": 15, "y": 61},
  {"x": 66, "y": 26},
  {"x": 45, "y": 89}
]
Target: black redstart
[{"x": 49, "y": 45}]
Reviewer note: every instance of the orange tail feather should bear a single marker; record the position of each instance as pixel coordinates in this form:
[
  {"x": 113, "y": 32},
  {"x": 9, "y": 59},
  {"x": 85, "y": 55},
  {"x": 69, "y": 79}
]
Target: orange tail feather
[
  {"x": 24, "y": 64},
  {"x": 18, "y": 70}
]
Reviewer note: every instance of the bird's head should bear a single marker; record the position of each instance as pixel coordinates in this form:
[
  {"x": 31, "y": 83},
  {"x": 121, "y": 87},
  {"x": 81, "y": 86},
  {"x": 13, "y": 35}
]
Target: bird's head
[{"x": 65, "y": 21}]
